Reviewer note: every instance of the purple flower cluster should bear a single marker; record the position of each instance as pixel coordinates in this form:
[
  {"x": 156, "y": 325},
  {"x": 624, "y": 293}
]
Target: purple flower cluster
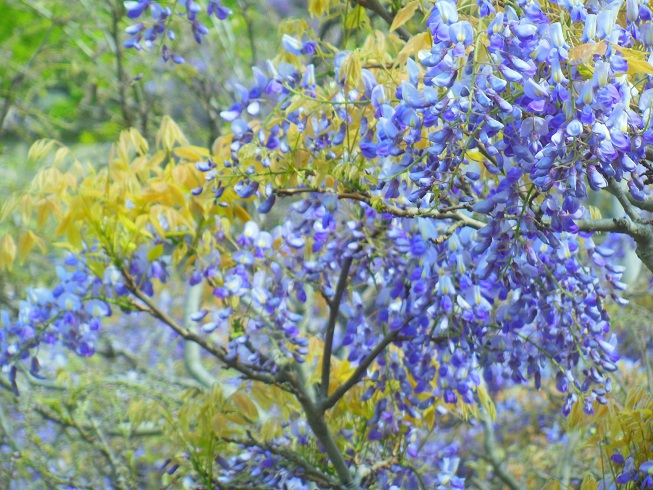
[
  {"x": 147, "y": 32},
  {"x": 267, "y": 320},
  {"x": 628, "y": 472},
  {"x": 69, "y": 313},
  {"x": 523, "y": 290}
]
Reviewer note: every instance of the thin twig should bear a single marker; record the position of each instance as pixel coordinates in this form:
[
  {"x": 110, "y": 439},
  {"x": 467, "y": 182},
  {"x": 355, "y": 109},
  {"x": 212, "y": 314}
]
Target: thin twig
[
  {"x": 388, "y": 208},
  {"x": 120, "y": 70},
  {"x": 310, "y": 471},
  {"x": 249, "y": 371},
  {"x": 317, "y": 423}
]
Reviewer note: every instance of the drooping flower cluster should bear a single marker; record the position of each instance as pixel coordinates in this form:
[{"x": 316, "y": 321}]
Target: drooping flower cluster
[
  {"x": 524, "y": 283},
  {"x": 147, "y": 32},
  {"x": 70, "y": 313},
  {"x": 521, "y": 293}
]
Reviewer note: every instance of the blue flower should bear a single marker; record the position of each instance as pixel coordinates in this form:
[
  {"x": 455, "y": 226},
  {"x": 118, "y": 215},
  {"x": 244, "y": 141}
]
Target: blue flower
[
  {"x": 462, "y": 32},
  {"x": 216, "y": 8},
  {"x": 292, "y": 45}
]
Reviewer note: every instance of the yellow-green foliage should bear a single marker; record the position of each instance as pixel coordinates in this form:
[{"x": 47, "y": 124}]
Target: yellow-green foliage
[
  {"x": 118, "y": 204},
  {"x": 626, "y": 428}
]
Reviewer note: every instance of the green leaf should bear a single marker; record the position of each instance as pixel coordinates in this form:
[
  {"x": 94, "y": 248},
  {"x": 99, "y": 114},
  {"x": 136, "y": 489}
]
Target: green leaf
[{"x": 155, "y": 252}]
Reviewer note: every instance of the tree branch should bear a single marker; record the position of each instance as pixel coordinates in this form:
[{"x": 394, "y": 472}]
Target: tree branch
[
  {"x": 10, "y": 93},
  {"x": 492, "y": 456},
  {"x": 388, "y": 208},
  {"x": 111, "y": 351},
  {"x": 334, "y": 308},
  {"x": 376, "y": 7},
  {"x": 640, "y": 230},
  {"x": 335, "y": 397},
  {"x": 251, "y": 372},
  {"x": 120, "y": 70},
  {"x": 643, "y": 205},
  {"x": 617, "y": 191},
  {"x": 8, "y": 433},
  {"x": 315, "y": 419},
  {"x": 632, "y": 224},
  {"x": 614, "y": 225}
]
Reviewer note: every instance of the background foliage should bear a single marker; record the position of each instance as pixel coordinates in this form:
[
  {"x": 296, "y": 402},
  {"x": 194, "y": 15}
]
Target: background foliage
[{"x": 143, "y": 412}]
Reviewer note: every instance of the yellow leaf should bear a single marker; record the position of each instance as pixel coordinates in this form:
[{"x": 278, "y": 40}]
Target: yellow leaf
[
  {"x": 9, "y": 206},
  {"x": 577, "y": 416},
  {"x": 60, "y": 154},
  {"x": 245, "y": 406},
  {"x": 263, "y": 396},
  {"x": 7, "y": 252},
  {"x": 40, "y": 148},
  {"x": 317, "y": 8},
  {"x": 235, "y": 418},
  {"x": 124, "y": 143},
  {"x": 157, "y": 159},
  {"x": 475, "y": 156},
  {"x": 487, "y": 402},
  {"x": 589, "y": 483},
  {"x": 552, "y": 485},
  {"x": 296, "y": 103},
  {"x": 586, "y": 70},
  {"x": 595, "y": 213},
  {"x": 242, "y": 214},
  {"x": 65, "y": 246},
  {"x": 404, "y": 15},
  {"x": 219, "y": 424},
  {"x": 155, "y": 252},
  {"x": 414, "y": 45},
  {"x": 138, "y": 141},
  {"x": 25, "y": 245},
  {"x": 584, "y": 53},
  {"x": 169, "y": 134},
  {"x": 63, "y": 223},
  {"x": 179, "y": 253},
  {"x": 135, "y": 412},
  {"x": 639, "y": 67},
  {"x": 48, "y": 181},
  {"x": 24, "y": 204},
  {"x": 186, "y": 176},
  {"x": 356, "y": 18},
  {"x": 630, "y": 53},
  {"x": 74, "y": 236},
  {"x": 271, "y": 428},
  {"x": 637, "y": 61},
  {"x": 187, "y": 153},
  {"x": 351, "y": 69}
]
